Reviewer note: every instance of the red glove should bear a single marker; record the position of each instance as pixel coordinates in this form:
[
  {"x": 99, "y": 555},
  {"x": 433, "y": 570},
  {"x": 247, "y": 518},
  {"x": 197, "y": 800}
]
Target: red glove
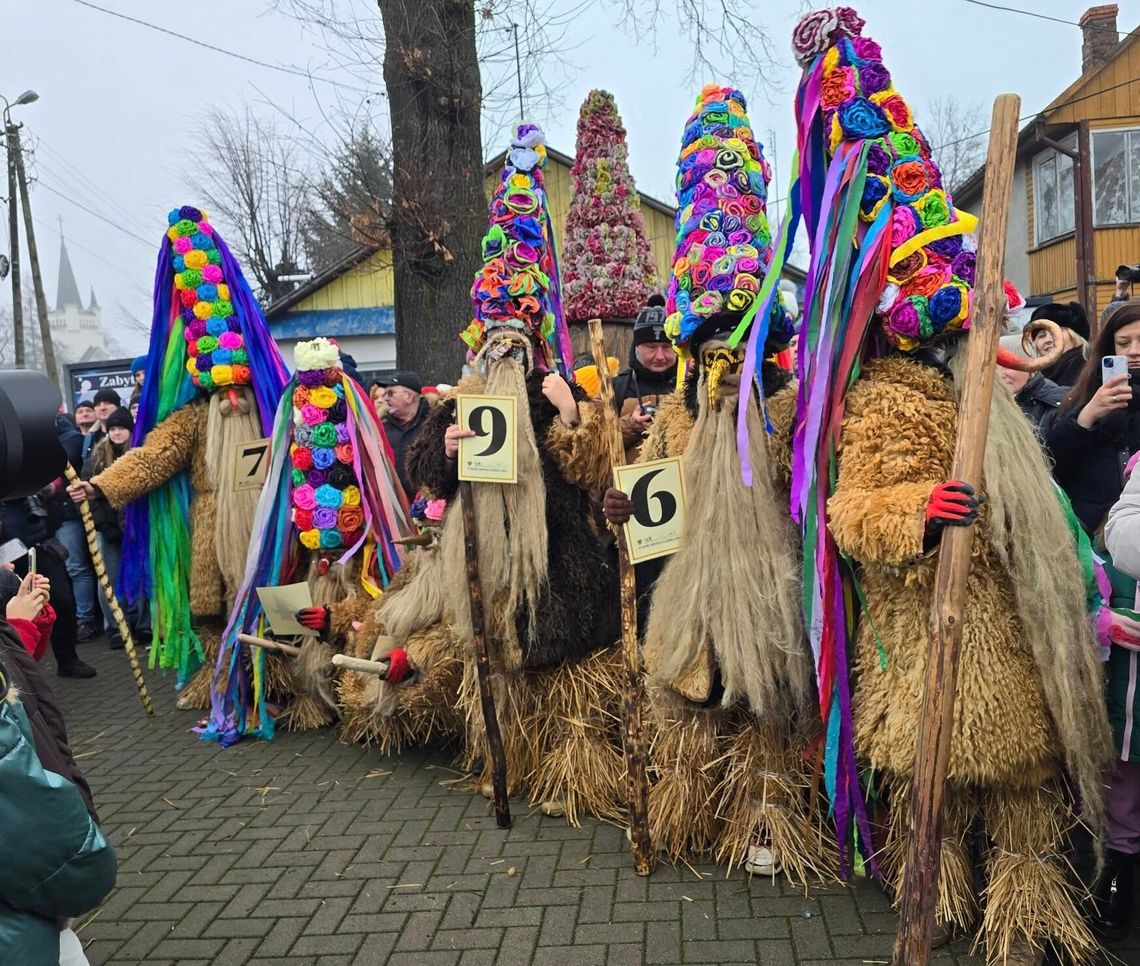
[
  {"x": 398, "y": 666},
  {"x": 314, "y": 618},
  {"x": 952, "y": 504}
]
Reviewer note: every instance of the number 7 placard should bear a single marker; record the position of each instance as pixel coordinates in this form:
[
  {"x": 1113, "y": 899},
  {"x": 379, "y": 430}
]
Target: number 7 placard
[
  {"x": 657, "y": 491},
  {"x": 490, "y": 456}
]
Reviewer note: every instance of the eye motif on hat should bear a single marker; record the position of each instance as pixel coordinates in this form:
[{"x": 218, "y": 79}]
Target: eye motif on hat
[
  {"x": 218, "y": 356},
  {"x": 326, "y": 490}
]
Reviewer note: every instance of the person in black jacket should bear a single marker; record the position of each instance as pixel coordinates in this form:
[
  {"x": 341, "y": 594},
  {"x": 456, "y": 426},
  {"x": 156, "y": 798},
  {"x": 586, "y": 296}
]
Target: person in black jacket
[
  {"x": 74, "y": 539},
  {"x": 652, "y": 375},
  {"x": 407, "y": 410},
  {"x": 1098, "y": 427}
]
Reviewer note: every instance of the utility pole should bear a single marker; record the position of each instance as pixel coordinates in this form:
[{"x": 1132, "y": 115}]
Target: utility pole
[
  {"x": 37, "y": 280},
  {"x": 12, "y": 142},
  {"x": 518, "y": 72}
]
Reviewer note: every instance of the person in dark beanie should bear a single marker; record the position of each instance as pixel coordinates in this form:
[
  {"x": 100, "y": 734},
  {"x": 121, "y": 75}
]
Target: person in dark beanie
[
  {"x": 407, "y": 409},
  {"x": 106, "y": 402},
  {"x": 652, "y": 374},
  {"x": 109, "y": 521},
  {"x": 1075, "y": 332},
  {"x": 85, "y": 416}
]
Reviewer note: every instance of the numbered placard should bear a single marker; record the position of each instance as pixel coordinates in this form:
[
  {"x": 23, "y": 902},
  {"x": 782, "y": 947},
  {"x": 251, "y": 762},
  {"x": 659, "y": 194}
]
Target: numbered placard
[
  {"x": 250, "y": 461},
  {"x": 657, "y": 491},
  {"x": 490, "y": 456}
]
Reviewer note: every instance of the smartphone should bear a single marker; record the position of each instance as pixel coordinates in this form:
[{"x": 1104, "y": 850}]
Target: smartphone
[
  {"x": 12, "y": 550},
  {"x": 1111, "y": 366},
  {"x": 32, "y": 563}
]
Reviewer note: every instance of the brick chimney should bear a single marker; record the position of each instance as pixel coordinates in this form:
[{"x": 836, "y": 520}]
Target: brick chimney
[{"x": 1098, "y": 25}]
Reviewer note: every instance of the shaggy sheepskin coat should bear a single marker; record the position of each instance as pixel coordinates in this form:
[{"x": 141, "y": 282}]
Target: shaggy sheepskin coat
[
  {"x": 579, "y": 611},
  {"x": 173, "y": 445},
  {"x": 897, "y": 444}
]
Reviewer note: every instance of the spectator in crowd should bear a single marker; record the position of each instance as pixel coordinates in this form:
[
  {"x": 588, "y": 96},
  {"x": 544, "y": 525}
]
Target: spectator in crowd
[
  {"x": 57, "y": 864},
  {"x": 1098, "y": 426},
  {"x": 376, "y": 394},
  {"x": 652, "y": 374},
  {"x": 106, "y": 402},
  {"x": 138, "y": 373},
  {"x": 35, "y": 522},
  {"x": 1074, "y": 325},
  {"x": 1037, "y": 396},
  {"x": 26, "y": 604},
  {"x": 134, "y": 407},
  {"x": 407, "y": 408},
  {"x": 109, "y": 521},
  {"x": 85, "y": 416},
  {"x": 1122, "y": 292},
  {"x": 74, "y": 539}
]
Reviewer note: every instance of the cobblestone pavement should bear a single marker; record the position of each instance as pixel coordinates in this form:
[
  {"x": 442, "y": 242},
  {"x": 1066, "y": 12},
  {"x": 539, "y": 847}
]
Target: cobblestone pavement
[{"x": 306, "y": 851}]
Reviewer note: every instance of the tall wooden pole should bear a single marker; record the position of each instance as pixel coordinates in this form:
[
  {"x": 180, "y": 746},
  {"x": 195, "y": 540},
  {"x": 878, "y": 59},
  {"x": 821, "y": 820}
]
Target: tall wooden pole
[
  {"x": 12, "y": 142},
  {"x": 495, "y": 750},
  {"x": 37, "y": 279},
  {"x": 920, "y": 884},
  {"x": 633, "y": 739}
]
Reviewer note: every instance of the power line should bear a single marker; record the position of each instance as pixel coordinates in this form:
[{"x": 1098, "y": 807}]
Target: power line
[
  {"x": 96, "y": 214},
  {"x": 283, "y": 68},
  {"x": 1044, "y": 16}
]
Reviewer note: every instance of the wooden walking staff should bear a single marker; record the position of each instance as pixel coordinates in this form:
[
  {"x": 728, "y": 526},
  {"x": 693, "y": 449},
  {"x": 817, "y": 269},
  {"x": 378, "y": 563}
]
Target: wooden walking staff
[
  {"x": 634, "y": 741},
  {"x": 495, "y": 749},
  {"x": 920, "y": 884},
  {"x": 109, "y": 593}
]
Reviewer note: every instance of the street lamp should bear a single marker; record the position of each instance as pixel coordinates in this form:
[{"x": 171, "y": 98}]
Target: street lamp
[{"x": 26, "y": 98}]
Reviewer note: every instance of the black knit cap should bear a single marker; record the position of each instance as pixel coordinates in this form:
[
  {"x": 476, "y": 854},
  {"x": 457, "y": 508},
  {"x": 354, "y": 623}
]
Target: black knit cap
[
  {"x": 650, "y": 325},
  {"x": 108, "y": 396},
  {"x": 120, "y": 419}
]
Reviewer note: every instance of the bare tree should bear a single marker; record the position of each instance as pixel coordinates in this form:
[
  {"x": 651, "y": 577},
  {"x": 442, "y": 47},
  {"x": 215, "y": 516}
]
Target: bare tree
[
  {"x": 956, "y": 133},
  {"x": 258, "y": 186},
  {"x": 445, "y": 64}
]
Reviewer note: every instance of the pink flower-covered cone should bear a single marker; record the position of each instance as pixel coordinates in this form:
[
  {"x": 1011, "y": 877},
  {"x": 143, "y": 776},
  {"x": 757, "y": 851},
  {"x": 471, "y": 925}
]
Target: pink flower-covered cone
[{"x": 607, "y": 266}]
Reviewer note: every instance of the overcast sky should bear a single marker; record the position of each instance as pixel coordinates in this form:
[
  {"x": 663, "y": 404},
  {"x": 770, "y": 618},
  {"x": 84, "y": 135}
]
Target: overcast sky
[{"x": 113, "y": 128}]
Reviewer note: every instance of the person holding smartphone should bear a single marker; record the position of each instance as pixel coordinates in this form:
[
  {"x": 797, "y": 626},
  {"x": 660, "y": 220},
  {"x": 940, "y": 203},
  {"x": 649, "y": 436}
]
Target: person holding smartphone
[{"x": 1098, "y": 426}]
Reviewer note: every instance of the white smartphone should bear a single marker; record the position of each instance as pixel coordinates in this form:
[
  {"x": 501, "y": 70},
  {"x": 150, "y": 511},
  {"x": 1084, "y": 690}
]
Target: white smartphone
[
  {"x": 1111, "y": 366},
  {"x": 32, "y": 562}
]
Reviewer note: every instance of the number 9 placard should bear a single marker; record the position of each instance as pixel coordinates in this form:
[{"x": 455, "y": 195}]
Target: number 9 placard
[
  {"x": 657, "y": 491},
  {"x": 490, "y": 456}
]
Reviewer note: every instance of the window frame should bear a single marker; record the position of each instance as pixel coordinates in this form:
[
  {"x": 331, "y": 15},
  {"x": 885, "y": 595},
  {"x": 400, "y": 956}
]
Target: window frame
[
  {"x": 1133, "y": 215},
  {"x": 1069, "y": 141}
]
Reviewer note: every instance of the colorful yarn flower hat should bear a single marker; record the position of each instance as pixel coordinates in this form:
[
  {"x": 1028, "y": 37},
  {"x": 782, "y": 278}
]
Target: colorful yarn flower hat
[
  {"x": 724, "y": 243},
  {"x": 332, "y": 493},
  {"x": 889, "y": 254},
  {"x": 207, "y": 333},
  {"x": 931, "y": 261},
  {"x": 518, "y": 286}
]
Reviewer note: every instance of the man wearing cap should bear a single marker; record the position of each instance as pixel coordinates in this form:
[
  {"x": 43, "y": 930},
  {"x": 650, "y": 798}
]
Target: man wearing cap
[
  {"x": 85, "y": 416},
  {"x": 652, "y": 374},
  {"x": 406, "y": 411}
]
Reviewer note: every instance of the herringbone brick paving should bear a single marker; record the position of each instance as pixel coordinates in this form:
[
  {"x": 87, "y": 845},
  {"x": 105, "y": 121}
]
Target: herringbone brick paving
[{"x": 310, "y": 852}]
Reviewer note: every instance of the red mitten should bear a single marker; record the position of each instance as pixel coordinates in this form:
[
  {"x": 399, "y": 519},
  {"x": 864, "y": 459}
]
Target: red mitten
[
  {"x": 315, "y": 618},
  {"x": 398, "y": 666},
  {"x": 952, "y": 504}
]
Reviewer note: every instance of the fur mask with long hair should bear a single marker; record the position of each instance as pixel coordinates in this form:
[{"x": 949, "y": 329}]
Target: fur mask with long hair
[
  {"x": 510, "y": 520},
  {"x": 733, "y": 587}
]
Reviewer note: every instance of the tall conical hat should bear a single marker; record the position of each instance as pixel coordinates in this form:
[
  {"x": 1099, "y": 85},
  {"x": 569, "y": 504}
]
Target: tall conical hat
[
  {"x": 518, "y": 286},
  {"x": 724, "y": 243},
  {"x": 207, "y": 333}
]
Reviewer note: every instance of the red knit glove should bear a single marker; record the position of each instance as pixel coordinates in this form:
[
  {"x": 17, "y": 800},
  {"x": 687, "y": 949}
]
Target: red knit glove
[
  {"x": 952, "y": 504},
  {"x": 398, "y": 666},
  {"x": 314, "y": 618}
]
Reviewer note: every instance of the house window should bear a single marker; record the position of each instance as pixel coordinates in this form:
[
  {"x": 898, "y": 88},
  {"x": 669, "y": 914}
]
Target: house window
[
  {"x": 1054, "y": 211},
  {"x": 1116, "y": 177}
]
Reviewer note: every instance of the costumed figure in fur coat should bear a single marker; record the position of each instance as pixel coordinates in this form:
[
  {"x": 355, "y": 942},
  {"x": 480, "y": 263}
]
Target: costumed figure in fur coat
[
  {"x": 880, "y": 355},
  {"x": 732, "y": 694},
  {"x": 329, "y": 514},
  {"x": 549, "y": 585},
  {"x": 214, "y": 377}
]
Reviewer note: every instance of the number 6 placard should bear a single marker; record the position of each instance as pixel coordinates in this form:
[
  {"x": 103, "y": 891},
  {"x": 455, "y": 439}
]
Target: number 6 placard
[
  {"x": 490, "y": 455},
  {"x": 657, "y": 491}
]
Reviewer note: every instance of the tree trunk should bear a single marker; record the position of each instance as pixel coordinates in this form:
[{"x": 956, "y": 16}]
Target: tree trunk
[{"x": 439, "y": 211}]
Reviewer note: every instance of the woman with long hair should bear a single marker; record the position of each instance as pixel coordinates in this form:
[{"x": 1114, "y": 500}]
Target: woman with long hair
[
  {"x": 1074, "y": 334},
  {"x": 1098, "y": 427}
]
